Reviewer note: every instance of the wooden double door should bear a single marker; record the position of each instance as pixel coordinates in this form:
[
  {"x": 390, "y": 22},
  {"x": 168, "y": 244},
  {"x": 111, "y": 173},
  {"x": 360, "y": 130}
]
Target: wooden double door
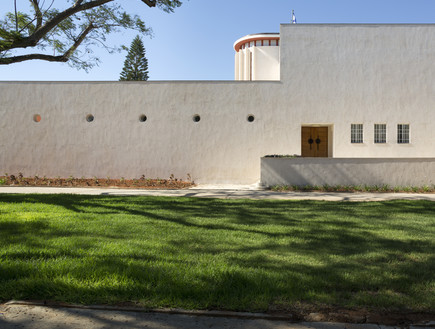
[{"x": 315, "y": 142}]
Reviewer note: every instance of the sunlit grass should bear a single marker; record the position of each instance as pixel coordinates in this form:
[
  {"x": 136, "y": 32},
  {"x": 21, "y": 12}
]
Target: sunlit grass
[{"x": 220, "y": 254}]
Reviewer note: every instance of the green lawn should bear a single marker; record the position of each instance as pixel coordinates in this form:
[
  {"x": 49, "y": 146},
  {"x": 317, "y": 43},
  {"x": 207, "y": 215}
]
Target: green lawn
[{"x": 218, "y": 254}]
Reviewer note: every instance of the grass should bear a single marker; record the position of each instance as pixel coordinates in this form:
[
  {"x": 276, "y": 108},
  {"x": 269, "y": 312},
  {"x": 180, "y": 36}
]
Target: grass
[{"x": 218, "y": 254}]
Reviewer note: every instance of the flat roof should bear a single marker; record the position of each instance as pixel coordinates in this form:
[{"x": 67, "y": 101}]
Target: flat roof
[{"x": 254, "y": 37}]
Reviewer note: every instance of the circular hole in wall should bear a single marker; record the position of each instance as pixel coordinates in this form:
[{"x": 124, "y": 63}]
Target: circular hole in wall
[
  {"x": 36, "y": 118},
  {"x": 196, "y": 118},
  {"x": 89, "y": 118},
  {"x": 250, "y": 118},
  {"x": 143, "y": 118}
]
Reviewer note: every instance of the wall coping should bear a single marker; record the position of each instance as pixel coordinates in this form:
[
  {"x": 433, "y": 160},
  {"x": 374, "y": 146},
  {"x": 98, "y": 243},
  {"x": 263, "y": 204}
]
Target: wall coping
[{"x": 146, "y": 82}]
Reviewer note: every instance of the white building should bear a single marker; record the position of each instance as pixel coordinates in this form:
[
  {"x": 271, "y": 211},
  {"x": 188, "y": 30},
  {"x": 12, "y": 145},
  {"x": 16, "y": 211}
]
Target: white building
[
  {"x": 257, "y": 57},
  {"x": 341, "y": 91}
]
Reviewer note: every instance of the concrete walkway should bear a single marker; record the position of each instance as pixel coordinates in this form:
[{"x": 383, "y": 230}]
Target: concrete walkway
[
  {"x": 43, "y": 317},
  {"x": 226, "y": 192}
]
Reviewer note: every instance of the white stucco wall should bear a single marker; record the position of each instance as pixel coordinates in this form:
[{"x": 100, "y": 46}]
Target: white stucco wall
[
  {"x": 222, "y": 147},
  {"x": 331, "y": 75},
  {"x": 393, "y": 172},
  {"x": 265, "y": 63},
  {"x": 343, "y": 74}
]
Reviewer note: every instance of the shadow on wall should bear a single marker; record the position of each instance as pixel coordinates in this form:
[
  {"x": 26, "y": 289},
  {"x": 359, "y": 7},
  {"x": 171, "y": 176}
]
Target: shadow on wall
[{"x": 347, "y": 171}]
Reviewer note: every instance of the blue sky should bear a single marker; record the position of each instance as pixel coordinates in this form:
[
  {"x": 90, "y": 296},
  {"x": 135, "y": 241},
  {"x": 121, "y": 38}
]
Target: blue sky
[{"x": 195, "y": 42}]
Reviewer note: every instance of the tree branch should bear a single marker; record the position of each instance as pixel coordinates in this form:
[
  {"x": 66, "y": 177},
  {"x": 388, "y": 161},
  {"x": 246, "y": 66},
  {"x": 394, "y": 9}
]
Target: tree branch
[
  {"x": 17, "y": 59},
  {"x": 33, "y": 39},
  {"x": 16, "y": 15},
  {"x": 45, "y": 23},
  {"x": 150, "y": 3},
  {"x": 38, "y": 13},
  {"x": 79, "y": 40},
  {"x": 61, "y": 58},
  {"x": 41, "y": 15}
]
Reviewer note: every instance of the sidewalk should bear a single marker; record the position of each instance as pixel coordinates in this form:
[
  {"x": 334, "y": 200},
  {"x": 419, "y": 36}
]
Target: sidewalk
[
  {"x": 43, "y": 317},
  {"x": 225, "y": 192}
]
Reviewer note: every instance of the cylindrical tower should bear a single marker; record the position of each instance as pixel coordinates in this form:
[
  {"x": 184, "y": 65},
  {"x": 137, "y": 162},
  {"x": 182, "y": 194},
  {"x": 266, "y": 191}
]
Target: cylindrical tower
[{"x": 257, "y": 57}]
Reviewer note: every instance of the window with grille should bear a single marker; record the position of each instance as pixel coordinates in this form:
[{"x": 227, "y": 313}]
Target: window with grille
[
  {"x": 356, "y": 133},
  {"x": 380, "y": 133},
  {"x": 403, "y": 133}
]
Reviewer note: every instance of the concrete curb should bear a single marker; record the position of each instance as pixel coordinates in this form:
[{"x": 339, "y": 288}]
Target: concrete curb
[
  {"x": 222, "y": 314},
  {"x": 313, "y": 319}
]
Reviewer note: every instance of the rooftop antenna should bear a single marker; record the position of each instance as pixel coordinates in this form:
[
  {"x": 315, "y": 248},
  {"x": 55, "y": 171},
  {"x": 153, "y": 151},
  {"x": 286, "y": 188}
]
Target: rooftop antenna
[{"x": 293, "y": 17}]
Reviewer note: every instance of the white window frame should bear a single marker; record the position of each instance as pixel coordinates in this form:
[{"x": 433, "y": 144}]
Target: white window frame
[
  {"x": 380, "y": 133},
  {"x": 403, "y": 133},
  {"x": 356, "y": 133}
]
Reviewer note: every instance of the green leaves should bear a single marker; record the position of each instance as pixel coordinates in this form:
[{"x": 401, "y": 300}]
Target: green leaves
[
  {"x": 136, "y": 64},
  {"x": 69, "y": 34},
  {"x": 168, "y": 5},
  {"x": 9, "y": 33}
]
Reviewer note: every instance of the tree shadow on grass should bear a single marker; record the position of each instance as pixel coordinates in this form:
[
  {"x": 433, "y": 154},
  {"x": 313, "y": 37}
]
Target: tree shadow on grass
[{"x": 233, "y": 254}]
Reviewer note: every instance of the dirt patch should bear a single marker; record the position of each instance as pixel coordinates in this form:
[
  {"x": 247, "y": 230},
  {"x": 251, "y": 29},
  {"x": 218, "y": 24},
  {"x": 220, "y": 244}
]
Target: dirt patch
[
  {"x": 139, "y": 183},
  {"x": 363, "y": 316},
  {"x": 315, "y": 313}
]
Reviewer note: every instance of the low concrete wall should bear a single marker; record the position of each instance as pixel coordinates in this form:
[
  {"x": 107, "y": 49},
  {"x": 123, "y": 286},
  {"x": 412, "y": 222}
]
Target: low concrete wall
[{"x": 348, "y": 171}]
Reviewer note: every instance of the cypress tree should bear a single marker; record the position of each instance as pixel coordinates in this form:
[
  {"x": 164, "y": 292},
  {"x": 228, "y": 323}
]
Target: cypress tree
[{"x": 135, "y": 64}]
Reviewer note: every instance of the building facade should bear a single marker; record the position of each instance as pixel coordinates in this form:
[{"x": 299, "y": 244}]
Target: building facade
[{"x": 344, "y": 91}]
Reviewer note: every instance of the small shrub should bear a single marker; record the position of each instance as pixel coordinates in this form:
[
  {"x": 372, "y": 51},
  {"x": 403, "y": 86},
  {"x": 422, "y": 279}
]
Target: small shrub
[
  {"x": 358, "y": 188},
  {"x": 282, "y": 156},
  {"x": 340, "y": 188},
  {"x": 353, "y": 188},
  {"x": 415, "y": 189},
  {"x": 385, "y": 188}
]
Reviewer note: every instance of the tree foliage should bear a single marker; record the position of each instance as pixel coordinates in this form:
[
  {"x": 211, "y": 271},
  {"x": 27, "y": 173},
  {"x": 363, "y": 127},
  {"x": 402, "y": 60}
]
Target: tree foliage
[
  {"x": 135, "y": 64},
  {"x": 68, "y": 32}
]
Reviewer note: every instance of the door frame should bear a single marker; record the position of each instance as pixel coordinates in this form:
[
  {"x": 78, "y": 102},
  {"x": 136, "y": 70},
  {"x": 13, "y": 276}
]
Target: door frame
[{"x": 330, "y": 127}]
